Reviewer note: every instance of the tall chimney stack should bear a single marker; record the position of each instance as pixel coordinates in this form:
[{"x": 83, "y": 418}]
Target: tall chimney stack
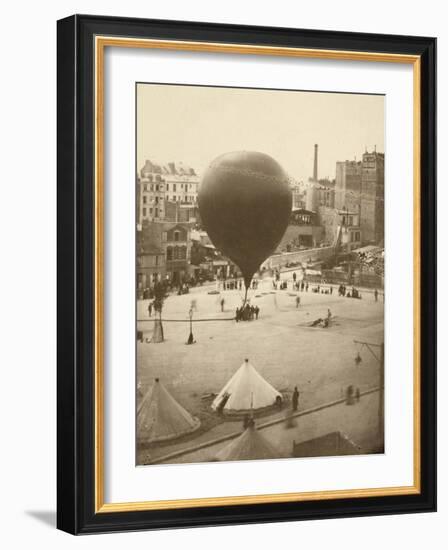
[{"x": 315, "y": 163}]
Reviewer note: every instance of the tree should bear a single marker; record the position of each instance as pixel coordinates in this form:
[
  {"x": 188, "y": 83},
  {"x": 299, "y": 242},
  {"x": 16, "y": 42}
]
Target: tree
[{"x": 160, "y": 296}]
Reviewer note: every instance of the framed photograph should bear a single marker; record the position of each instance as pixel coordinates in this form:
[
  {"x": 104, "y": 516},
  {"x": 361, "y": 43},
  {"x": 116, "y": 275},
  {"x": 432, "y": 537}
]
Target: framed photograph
[{"x": 246, "y": 274}]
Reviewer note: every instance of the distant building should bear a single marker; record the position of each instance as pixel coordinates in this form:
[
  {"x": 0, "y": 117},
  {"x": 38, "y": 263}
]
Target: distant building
[
  {"x": 303, "y": 231},
  {"x": 178, "y": 212},
  {"x": 348, "y": 230},
  {"x": 312, "y": 197},
  {"x": 151, "y": 264},
  {"x": 360, "y": 188},
  {"x": 207, "y": 262},
  {"x": 320, "y": 194},
  {"x": 348, "y": 185},
  {"x": 157, "y": 183},
  {"x": 298, "y": 196},
  {"x": 328, "y": 220},
  {"x": 182, "y": 184},
  {"x": 372, "y": 198},
  {"x": 177, "y": 244},
  {"x": 163, "y": 252}
]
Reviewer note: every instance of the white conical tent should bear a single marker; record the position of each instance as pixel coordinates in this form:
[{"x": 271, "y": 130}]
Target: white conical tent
[
  {"x": 247, "y": 390},
  {"x": 250, "y": 445},
  {"x": 161, "y": 417}
]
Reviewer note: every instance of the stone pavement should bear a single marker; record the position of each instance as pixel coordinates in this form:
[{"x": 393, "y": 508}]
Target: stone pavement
[
  {"x": 281, "y": 345},
  {"x": 359, "y": 422}
]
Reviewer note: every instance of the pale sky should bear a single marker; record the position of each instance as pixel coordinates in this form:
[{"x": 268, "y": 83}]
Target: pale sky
[{"x": 196, "y": 124}]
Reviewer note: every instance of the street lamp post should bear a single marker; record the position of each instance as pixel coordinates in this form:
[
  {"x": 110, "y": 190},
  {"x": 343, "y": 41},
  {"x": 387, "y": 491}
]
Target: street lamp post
[{"x": 190, "y": 338}]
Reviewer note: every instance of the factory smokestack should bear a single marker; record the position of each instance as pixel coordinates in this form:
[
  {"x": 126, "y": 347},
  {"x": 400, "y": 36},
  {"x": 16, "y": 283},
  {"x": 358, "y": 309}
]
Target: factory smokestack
[{"x": 315, "y": 162}]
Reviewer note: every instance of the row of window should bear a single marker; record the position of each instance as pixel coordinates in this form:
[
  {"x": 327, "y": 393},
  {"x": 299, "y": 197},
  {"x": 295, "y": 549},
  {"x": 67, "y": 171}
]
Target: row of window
[
  {"x": 145, "y": 199},
  {"x": 152, "y": 187},
  {"x": 186, "y": 198},
  {"x": 176, "y": 253},
  {"x": 149, "y": 177},
  {"x": 156, "y": 212},
  {"x": 157, "y": 187}
]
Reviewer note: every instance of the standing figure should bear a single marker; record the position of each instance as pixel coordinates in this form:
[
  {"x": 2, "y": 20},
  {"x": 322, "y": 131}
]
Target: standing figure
[
  {"x": 297, "y": 301},
  {"x": 376, "y": 295},
  {"x": 295, "y": 399},
  {"x": 150, "y": 308},
  {"x": 222, "y": 304}
]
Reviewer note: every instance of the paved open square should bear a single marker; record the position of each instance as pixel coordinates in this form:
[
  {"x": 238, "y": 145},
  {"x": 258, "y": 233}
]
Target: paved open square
[{"x": 281, "y": 345}]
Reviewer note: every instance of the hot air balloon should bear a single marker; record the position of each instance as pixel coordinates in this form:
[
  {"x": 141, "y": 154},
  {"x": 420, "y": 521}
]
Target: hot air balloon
[{"x": 245, "y": 203}]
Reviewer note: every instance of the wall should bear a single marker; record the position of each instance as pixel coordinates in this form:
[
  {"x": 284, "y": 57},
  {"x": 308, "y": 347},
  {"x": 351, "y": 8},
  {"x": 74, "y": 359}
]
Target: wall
[
  {"x": 28, "y": 321},
  {"x": 294, "y": 235},
  {"x": 308, "y": 255}
]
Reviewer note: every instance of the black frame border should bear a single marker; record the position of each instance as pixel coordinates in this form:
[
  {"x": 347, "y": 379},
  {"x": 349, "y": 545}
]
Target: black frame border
[{"x": 76, "y": 269}]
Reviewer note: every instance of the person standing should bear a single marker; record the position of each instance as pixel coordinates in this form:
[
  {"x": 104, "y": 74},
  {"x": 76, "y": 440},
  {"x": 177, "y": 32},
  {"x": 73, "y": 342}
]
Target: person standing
[
  {"x": 222, "y": 304},
  {"x": 297, "y": 301},
  {"x": 295, "y": 399},
  {"x": 294, "y": 277},
  {"x": 257, "y": 311},
  {"x": 150, "y": 308},
  {"x": 376, "y": 295}
]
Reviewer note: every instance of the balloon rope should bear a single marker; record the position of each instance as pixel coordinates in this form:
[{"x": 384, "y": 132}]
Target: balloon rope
[{"x": 245, "y": 297}]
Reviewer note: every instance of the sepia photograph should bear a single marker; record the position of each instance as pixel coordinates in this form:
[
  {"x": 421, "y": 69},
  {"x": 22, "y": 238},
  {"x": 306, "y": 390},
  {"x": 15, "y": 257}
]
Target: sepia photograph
[{"x": 260, "y": 266}]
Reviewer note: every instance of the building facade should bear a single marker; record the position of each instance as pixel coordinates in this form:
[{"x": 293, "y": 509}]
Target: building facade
[
  {"x": 348, "y": 185},
  {"x": 151, "y": 264},
  {"x": 348, "y": 230},
  {"x": 163, "y": 253},
  {"x": 157, "y": 184},
  {"x": 177, "y": 245},
  {"x": 372, "y": 198},
  {"x": 360, "y": 188},
  {"x": 303, "y": 231}
]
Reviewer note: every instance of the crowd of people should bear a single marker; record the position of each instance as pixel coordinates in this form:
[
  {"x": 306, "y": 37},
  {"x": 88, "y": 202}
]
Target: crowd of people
[
  {"x": 354, "y": 293},
  {"x": 247, "y": 313},
  {"x": 238, "y": 284}
]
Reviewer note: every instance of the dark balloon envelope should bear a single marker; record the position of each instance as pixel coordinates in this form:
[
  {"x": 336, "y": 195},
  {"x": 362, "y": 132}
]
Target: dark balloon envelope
[{"x": 245, "y": 203}]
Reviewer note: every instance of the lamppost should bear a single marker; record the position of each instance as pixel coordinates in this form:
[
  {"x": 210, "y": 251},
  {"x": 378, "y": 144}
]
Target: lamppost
[
  {"x": 380, "y": 360},
  {"x": 190, "y": 338}
]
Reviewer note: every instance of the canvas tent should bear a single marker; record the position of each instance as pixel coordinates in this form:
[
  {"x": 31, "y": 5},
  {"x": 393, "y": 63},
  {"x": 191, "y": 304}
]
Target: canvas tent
[
  {"x": 247, "y": 390},
  {"x": 330, "y": 444},
  {"x": 250, "y": 445},
  {"x": 161, "y": 417}
]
